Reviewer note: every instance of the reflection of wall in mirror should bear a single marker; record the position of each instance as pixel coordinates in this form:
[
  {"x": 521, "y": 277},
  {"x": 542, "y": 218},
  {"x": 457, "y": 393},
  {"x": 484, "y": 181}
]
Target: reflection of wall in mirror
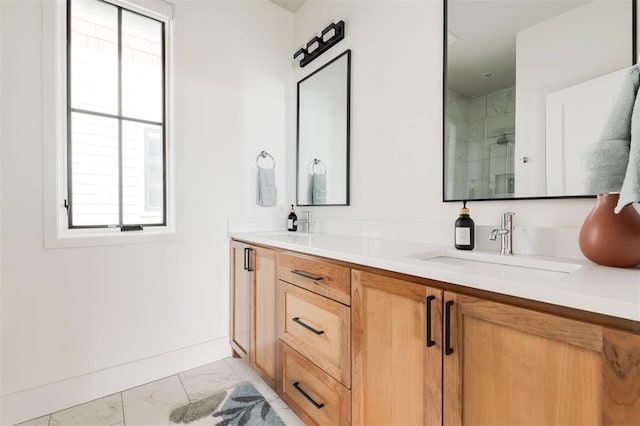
[{"x": 573, "y": 47}]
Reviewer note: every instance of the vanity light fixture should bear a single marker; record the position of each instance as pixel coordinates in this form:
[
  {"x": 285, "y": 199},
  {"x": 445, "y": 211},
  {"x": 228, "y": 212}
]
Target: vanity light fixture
[{"x": 319, "y": 44}]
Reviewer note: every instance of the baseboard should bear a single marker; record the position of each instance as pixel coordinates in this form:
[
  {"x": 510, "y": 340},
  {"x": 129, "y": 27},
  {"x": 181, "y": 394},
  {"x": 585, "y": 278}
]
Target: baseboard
[{"x": 32, "y": 403}]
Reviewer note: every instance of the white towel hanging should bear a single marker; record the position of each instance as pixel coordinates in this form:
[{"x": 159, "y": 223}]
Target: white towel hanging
[{"x": 266, "y": 191}]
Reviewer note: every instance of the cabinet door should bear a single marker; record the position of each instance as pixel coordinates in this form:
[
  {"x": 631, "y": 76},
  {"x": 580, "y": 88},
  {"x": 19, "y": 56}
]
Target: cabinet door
[
  {"x": 397, "y": 357},
  {"x": 263, "y": 353},
  {"x": 513, "y": 366},
  {"x": 240, "y": 320}
]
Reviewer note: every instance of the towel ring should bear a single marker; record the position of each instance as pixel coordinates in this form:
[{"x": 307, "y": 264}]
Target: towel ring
[
  {"x": 265, "y": 154},
  {"x": 321, "y": 167}
]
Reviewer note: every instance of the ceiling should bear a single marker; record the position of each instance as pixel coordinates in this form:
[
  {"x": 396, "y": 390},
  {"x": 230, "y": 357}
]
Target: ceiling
[
  {"x": 290, "y": 5},
  {"x": 486, "y": 40}
]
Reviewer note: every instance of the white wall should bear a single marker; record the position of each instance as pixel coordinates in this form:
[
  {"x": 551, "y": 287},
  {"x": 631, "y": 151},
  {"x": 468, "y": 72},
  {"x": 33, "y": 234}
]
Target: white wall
[
  {"x": 396, "y": 121},
  {"x": 69, "y": 313}
]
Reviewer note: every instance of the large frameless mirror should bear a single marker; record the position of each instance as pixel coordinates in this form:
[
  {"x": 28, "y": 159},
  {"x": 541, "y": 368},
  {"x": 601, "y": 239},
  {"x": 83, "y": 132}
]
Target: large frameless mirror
[
  {"x": 528, "y": 84},
  {"x": 323, "y": 135}
]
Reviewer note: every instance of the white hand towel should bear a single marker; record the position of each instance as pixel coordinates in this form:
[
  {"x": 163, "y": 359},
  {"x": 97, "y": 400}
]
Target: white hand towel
[
  {"x": 266, "y": 191},
  {"x": 630, "y": 192},
  {"x": 319, "y": 191},
  {"x": 604, "y": 166},
  {"x": 605, "y": 162},
  {"x": 618, "y": 124}
]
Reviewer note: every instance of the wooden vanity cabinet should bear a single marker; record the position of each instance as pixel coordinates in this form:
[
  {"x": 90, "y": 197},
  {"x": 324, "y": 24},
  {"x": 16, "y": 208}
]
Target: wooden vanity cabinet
[
  {"x": 253, "y": 307},
  {"x": 376, "y": 348},
  {"x": 515, "y": 366},
  {"x": 489, "y": 364}
]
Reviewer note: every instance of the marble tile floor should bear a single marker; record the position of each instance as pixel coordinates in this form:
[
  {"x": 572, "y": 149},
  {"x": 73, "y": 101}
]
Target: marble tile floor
[{"x": 151, "y": 403}]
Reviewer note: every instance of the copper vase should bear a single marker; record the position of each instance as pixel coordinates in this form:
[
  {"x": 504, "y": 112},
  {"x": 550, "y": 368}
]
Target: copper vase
[{"x": 611, "y": 239}]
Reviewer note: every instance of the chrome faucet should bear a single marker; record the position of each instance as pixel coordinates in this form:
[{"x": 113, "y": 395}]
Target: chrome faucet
[
  {"x": 505, "y": 232},
  {"x": 306, "y": 221}
]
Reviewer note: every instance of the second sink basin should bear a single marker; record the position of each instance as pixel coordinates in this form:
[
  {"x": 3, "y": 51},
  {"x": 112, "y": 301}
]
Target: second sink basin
[{"x": 498, "y": 266}]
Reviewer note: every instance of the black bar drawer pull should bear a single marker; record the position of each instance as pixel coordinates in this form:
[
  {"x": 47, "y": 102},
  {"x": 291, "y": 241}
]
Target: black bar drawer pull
[
  {"x": 306, "y": 275},
  {"x": 308, "y": 327},
  {"x": 430, "y": 341},
  {"x": 247, "y": 259},
  {"x": 306, "y": 395},
  {"x": 447, "y": 321}
]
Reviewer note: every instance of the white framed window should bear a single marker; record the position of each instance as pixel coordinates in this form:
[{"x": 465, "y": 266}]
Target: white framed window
[{"x": 107, "y": 111}]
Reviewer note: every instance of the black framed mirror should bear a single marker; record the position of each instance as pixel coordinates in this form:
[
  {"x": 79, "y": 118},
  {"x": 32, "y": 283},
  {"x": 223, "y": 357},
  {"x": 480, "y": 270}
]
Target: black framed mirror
[
  {"x": 323, "y": 127},
  {"x": 527, "y": 85}
]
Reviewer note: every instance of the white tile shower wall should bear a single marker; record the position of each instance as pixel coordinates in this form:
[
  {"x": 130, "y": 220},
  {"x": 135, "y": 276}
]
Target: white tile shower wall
[
  {"x": 477, "y": 109},
  {"x": 458, "y": 110},
  {"x": 496, "y": 104},
  {"x": 490, "y": 117}
]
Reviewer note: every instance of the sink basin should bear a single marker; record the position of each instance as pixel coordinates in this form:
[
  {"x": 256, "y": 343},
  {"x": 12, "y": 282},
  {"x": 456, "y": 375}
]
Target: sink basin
[{"x": 497, "y": 266}]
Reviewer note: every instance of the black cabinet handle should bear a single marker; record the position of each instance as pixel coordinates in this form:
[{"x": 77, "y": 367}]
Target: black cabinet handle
[
  {"x": 306, "y": 275},
  {"x": 247, "y": 259},
  {"x": 447, "y": 325},
  {"x": 430, "y": 341},
  {"x": 306, "y": 395},
  {"x": 308, "y": 327}
]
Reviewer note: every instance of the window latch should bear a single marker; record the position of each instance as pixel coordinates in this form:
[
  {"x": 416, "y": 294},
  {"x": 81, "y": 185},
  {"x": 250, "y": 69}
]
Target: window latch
[
  {"x": 66, "y": 206},
  {"x": 125, "y": 228}
]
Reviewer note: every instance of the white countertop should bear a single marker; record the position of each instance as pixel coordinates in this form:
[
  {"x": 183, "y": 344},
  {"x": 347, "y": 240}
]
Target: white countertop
[{"x": 573, "y": 283}]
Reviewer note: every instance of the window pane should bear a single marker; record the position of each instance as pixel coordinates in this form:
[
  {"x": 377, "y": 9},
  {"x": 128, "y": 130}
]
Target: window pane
[
  {"x": 141, "y": 67},
  {"x": 94, "y": 56},
  {"x": 94, "y": 170},
  {"x": 142, "y": 174}
]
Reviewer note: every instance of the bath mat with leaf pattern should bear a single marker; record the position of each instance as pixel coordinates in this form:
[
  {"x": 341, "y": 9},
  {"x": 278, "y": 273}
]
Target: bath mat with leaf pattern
[{"x": 242, "y": 405}]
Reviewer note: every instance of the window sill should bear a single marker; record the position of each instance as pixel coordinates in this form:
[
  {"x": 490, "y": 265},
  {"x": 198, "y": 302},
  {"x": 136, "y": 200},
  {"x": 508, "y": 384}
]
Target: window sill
[{"x": 108, "y": 237}]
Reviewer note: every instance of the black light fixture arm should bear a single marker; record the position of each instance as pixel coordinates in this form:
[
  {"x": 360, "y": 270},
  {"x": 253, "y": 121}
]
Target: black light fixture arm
[{"x": 319, "y": 44}]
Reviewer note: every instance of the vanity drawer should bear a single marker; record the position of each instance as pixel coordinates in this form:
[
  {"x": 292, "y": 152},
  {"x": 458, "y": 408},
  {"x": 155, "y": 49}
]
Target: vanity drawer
[
  {"x": 327, "y": 279},
  {"x": 318, "y": 328},
  {"x": 311, "y": 390}
]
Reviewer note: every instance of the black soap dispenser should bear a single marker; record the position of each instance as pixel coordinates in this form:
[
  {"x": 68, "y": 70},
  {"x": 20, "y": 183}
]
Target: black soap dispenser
[
  {"x": 292, "y": 220},
  {"x": 464, "y": 230}
]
